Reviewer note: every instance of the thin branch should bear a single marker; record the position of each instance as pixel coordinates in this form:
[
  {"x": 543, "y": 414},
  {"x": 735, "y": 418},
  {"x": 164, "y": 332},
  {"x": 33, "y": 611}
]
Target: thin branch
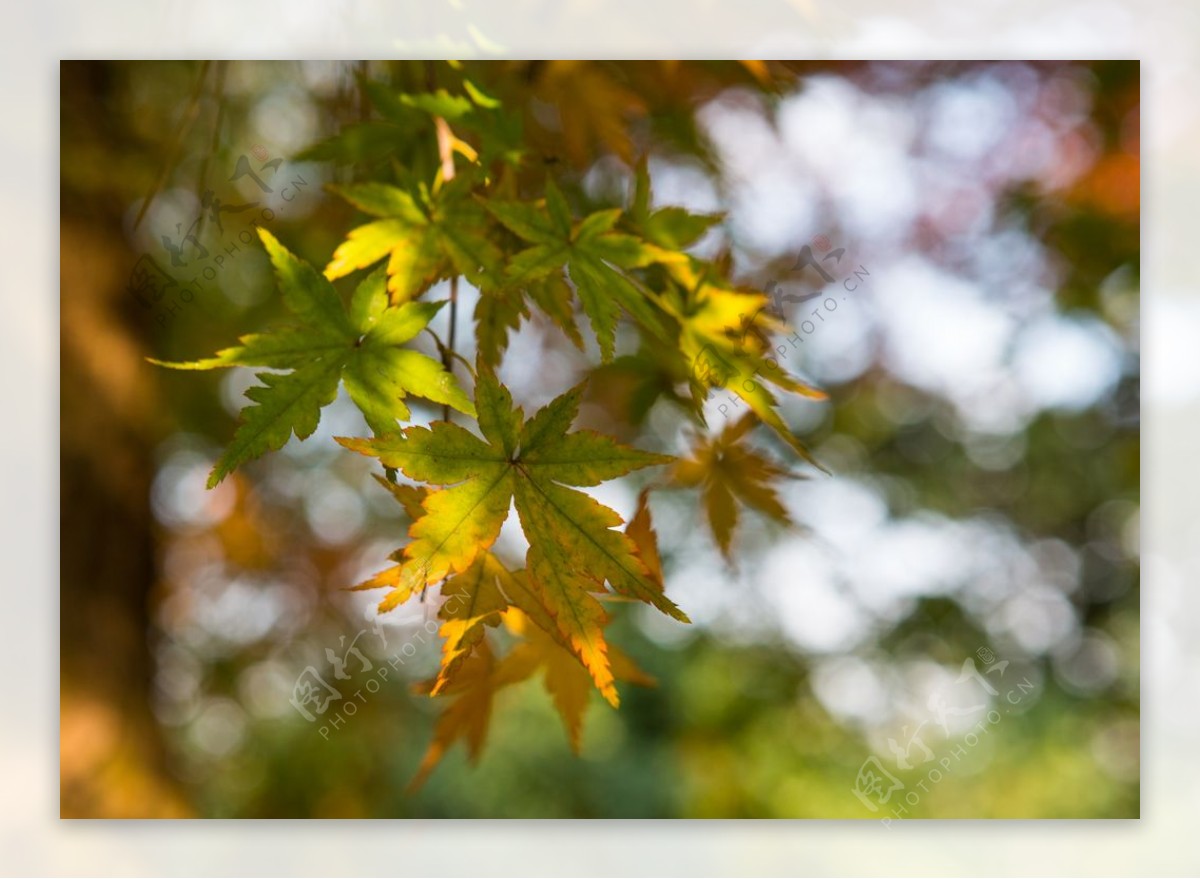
[
  {"x": 185, "y": 125},
  {"x": 364, "y": 104},
  {"x": 445, "y": 142},
  {"x": 449, "y": 352},
  {"x": 215, "y": 143}
]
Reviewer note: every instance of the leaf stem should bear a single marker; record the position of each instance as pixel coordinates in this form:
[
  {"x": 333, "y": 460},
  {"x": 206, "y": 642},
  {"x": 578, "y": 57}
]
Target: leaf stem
[{"x": 448, "y": 351}]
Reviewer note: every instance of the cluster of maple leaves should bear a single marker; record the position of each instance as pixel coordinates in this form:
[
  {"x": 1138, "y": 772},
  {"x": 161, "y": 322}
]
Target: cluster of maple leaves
[{"x": 521, "y": 253}]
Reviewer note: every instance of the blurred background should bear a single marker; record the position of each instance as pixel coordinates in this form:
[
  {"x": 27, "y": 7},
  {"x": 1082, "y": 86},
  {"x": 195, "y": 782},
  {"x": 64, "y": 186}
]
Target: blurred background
[{"x": 982, "y": 432}]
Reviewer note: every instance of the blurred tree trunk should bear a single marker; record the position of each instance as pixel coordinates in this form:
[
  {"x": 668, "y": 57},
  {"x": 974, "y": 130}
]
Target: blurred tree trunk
[{"x": 112, "y": 756}]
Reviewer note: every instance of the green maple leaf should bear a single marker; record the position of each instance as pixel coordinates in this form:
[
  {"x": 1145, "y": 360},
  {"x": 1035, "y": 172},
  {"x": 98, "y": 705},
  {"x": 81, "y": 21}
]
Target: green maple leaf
[
  {"x": 671, "y": 227},
  {"x": 360, "y": 346},
  {"x": 501, "y": 310},
  {"x": 595, "y": 257},
  {"x": 425, "y": 238},
  {"x": 495, "y": 315},
  {"x": 573, "y": 548}
]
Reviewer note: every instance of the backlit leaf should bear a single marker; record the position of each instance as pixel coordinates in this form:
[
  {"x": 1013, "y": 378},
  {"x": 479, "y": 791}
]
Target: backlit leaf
[
  {"x": 361, "y": 346},
  {"x": 574, "y": 550},
  {"x": 727, "y": 471},
  {"x": 424, "y": 238}
]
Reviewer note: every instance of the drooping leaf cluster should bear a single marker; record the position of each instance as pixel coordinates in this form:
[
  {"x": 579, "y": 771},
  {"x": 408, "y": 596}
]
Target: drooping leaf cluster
[{"x": 487, "y": 211}]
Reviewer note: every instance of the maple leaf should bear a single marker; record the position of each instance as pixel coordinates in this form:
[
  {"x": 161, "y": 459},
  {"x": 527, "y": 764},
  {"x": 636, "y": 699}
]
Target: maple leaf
[
  {"x": 477, "y": 598},
  {"x": 592, "y": 108},
  {"x": 365, "y": 142},
  {"x": 725, "y": 337},
  {"x": 495, "y": 315},
  {"x": 479, "y": 676},
  {"x": 424, "y": 237},
  {"x": 721, "y": 334},
  {"x": 727, "y": 470},
  {"x": 573, "y": 549},
  {"x": 670, "y": 227},
  {"x": 475, "y": 109},
  {"x": 629, "y": 387},
  {"x": 641, "y": 531},
  {"x": 409, "y": 497},
  {"x": 593, "y": 255},
  {"x": 467, "y": 717},
  {"x": 360, "y": 346},
  {"x": 567, "y": 682},
  {"x": 500, "y": 310}
]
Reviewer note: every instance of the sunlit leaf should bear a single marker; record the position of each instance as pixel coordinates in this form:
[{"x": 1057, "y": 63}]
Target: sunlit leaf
[
  {"x": 574, "y": 550},
  {"x": 423, "y": 238},
  {"x": 361, "y": 346}
]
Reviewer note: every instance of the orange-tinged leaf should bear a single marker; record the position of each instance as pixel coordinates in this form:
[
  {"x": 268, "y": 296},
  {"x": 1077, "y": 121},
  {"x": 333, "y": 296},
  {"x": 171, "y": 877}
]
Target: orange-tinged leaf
[
  {"x": 725, "y": 336},
  {"x": 478, "y": 676},
  {"x": 567, "y": 682},
  {"x": 727, "y": 470},
  {"x": 593, "y": 108},
  {"x": 645, "y": 539},
  {"x": 410, "y": 497},
  {"x": 578, "y": 616},
  {"x": 474, "y": 600},
  {"x": 574, "y": 547},
  {"x": 467, "y": 717},
  {"x": 387, "y": 578},
  {"x": 722, "y": 514}
]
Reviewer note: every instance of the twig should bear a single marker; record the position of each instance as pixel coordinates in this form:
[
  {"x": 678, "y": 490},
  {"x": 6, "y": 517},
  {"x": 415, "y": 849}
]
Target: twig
[
  {"x": 445, "y": 142},
  {"x": 185, "y": 124},
  {"x": 214, "y": 145},
  {"x": 448, "y": 354}
]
